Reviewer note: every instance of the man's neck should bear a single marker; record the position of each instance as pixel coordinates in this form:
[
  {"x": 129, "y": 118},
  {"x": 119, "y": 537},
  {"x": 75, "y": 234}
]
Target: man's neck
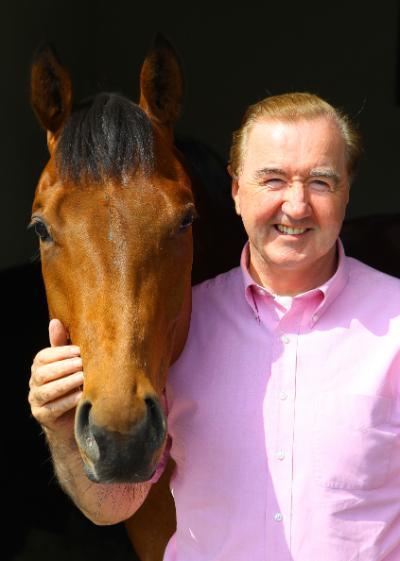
[{"x": 293, "y": 281}]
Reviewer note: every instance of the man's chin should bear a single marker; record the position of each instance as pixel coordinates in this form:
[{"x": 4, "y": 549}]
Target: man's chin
[{"x": 284, "y": 256}]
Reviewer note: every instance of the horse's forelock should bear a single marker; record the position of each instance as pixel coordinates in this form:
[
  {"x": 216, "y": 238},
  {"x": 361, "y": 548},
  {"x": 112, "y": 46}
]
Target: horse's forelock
[{"x": 106, "y": 137}]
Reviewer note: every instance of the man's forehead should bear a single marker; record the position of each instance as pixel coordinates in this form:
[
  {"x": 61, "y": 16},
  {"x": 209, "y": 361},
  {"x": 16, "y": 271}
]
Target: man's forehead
[
  {"x": 276, "y": 129},
  {"x": 314, "y": 142}
]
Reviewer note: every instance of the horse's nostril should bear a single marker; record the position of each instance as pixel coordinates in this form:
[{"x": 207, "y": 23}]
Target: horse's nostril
[
  {"x": 155, "y": 420},
  {"x": 84, "y": 433},
  {"x": 82, "y": 417}
]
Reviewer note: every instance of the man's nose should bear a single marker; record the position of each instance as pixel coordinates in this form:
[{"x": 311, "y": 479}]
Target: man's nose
[{"x": 296, "y": 203}]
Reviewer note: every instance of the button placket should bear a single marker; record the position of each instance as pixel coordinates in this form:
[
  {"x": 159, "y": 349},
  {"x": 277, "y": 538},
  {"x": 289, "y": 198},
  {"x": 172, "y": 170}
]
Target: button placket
[{"x": 285, "y": 374}]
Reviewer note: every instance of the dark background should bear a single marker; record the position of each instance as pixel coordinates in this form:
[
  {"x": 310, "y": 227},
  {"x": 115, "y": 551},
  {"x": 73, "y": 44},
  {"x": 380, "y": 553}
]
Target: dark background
[{"x": 232, "y": 56}]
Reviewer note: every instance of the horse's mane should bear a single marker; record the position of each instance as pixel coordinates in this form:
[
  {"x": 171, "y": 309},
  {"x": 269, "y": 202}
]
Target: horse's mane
[{"x": 106, "y": 137}]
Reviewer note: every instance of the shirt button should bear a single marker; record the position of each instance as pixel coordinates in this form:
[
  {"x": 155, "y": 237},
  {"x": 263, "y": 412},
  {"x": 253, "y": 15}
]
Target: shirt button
[
  {"x": 285, "y": 339},
  {"x": 278, "y": 517},
  {"x": 280, "y": 455},
  {"x": 283, "y": 396}
]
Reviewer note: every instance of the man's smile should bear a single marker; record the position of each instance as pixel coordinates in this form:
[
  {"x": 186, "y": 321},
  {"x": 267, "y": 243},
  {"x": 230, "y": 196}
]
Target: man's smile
[{"x": 288, "y": 230}]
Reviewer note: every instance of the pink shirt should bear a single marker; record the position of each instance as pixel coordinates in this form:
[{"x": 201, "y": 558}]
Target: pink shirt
[{"x": 285, "y": 421}]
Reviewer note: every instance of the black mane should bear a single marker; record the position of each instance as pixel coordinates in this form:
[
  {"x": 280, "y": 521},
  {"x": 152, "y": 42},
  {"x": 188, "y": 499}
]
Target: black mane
[{"x": 106, "y": 137}]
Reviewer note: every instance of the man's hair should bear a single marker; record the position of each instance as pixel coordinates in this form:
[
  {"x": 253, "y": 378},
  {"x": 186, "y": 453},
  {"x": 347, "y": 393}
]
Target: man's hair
[{"x": 292, "y": 107}]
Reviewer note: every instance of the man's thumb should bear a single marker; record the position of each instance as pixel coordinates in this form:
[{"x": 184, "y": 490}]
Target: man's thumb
[{"x": 57, "y": 333}]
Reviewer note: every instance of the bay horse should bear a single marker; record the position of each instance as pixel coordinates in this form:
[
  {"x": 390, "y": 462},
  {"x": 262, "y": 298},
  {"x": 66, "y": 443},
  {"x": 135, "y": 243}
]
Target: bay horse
[{"x": 113, "y": 210}]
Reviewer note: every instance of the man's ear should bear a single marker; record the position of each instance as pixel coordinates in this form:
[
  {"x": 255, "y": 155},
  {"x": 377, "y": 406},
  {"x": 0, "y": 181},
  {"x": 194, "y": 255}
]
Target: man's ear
[
  {"x": 235, "y": 194},
  {"x": 349, "y": 184},
  {"x": 235, "y": 189}
]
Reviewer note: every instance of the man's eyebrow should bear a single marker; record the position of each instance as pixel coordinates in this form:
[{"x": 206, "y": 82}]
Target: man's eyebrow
[
  {"x": 265, "y": 171},
  {"x": 315, "y": 172},
  {"x": 325, "y": 172}
]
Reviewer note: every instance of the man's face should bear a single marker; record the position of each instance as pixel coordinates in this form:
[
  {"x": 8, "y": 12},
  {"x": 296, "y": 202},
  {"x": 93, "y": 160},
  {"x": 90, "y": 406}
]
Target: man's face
[{"x": 292, "y": 192}]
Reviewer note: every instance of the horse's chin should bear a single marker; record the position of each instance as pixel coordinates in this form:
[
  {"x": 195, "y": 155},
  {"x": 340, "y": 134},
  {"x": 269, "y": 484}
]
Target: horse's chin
[{"x": 108, "y": 478}]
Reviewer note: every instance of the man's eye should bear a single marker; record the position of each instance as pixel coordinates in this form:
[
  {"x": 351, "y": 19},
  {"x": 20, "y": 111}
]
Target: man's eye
[
  {"x": 275, "y": 183},
  {"x": 320, "y": 185}
]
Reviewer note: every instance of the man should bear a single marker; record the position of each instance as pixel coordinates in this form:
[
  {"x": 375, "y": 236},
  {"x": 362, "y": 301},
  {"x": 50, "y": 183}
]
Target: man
[{"x": 284, "y": 405}]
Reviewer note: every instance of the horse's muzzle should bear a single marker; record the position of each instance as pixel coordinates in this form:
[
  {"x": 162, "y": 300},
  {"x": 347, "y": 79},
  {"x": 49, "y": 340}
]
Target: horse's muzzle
[{"x": 115, "y": 457}]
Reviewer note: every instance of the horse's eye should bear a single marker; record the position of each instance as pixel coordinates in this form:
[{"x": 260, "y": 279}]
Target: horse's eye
[
  {"x": 187, "y": 220},
  {"x": 42, "y": 231}
]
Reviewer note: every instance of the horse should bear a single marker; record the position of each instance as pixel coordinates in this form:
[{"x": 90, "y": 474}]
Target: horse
[{"x": 114, "y": 211}]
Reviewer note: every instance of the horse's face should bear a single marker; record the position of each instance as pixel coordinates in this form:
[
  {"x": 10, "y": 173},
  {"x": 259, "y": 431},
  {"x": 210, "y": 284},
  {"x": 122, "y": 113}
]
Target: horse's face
[{"x": 116, "y": 261}]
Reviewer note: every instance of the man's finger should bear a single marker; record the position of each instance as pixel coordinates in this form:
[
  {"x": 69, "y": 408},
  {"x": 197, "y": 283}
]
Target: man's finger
[
  {"x": 57, "y": 333},
  {"x": 53, "y": 354},
  {"x": 55, "y": 389}
]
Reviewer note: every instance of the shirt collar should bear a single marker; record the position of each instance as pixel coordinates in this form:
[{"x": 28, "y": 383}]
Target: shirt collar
[{"x": 327, "y": 292}]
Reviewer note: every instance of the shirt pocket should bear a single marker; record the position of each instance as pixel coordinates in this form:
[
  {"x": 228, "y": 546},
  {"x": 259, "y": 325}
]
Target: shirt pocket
[{"x": 354, "y": 441}]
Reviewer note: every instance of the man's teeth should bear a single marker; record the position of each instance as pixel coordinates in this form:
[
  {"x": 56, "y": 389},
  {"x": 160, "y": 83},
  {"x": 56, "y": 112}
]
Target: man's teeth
[{"x": 291, "y": 231}]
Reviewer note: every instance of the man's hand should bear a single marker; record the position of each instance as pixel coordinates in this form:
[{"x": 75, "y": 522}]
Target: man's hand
[{"x": 55, "y": 383}]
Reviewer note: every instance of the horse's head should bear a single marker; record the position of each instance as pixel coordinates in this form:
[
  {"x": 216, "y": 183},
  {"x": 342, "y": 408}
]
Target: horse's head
[{"x": 113, "y": 210}]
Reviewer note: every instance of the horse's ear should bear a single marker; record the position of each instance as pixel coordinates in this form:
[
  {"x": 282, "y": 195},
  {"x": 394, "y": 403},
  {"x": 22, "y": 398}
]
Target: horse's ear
[
  {"x": 51, "y": 90},
  {"x": 161, "y": 83}
]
